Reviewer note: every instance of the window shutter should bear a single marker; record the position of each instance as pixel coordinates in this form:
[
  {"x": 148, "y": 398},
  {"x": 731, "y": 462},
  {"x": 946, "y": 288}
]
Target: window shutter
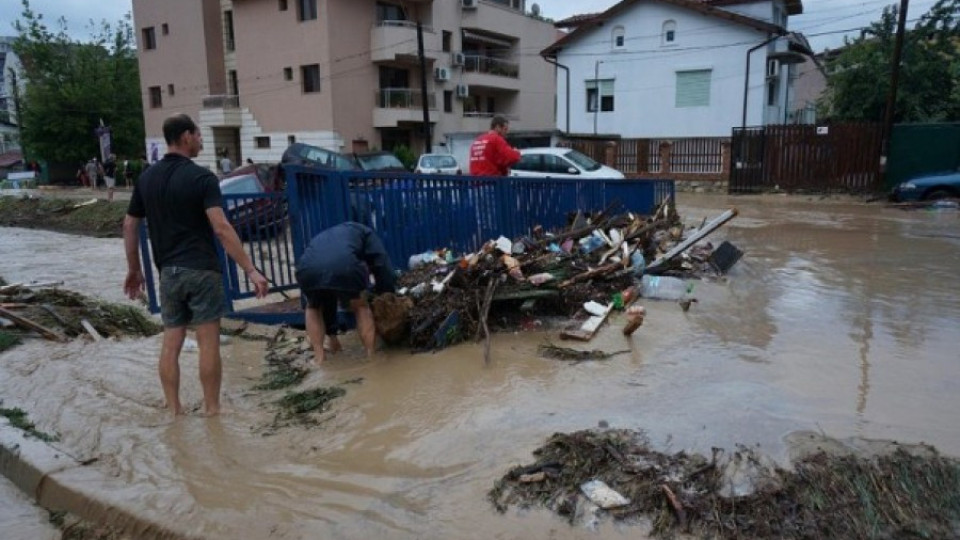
[{"x": 693, "y": 88}]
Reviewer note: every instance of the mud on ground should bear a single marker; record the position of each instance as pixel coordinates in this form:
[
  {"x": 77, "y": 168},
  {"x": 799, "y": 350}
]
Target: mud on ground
[
  {"x": 907, "y": 493},
  {"x": 101, "y": 218}
]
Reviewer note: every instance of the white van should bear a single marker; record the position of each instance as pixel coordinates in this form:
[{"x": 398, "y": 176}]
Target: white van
[{"x": 552, "y": 162}]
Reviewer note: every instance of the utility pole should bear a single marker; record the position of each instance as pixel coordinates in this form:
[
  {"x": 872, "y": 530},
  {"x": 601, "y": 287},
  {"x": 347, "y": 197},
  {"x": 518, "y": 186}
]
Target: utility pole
[
  {"x": 427, "y": 136},
  {"x": 894, "y": 83},
  {"x": 596, "y": 93}
]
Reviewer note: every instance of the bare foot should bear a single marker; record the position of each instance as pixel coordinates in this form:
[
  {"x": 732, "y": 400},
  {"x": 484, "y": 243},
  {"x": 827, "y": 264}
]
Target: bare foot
[{"x": 333, "y": 345}]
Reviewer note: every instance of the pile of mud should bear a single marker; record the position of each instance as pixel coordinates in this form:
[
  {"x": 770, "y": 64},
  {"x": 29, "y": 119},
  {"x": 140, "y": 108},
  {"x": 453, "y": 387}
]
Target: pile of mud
[
  {"x": 907, "y": 493},
  {"x": 60, "y": 314},
  {"x": 96, "y": 217}
]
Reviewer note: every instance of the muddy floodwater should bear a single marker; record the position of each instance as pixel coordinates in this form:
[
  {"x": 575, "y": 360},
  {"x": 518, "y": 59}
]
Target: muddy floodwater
[{"x": 842, "y": 318}]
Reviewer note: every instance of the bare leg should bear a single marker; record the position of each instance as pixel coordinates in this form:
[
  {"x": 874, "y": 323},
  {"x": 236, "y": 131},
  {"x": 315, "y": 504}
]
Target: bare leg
[
  {"x": 211, "y": 370},
  {"x": 315, "y": 331},
  {"x": 333, "y": 344},
  {"x": 365, "y": 325},
  {"x": 110, "y": 194},
  {"x": 169, "y": 366}
]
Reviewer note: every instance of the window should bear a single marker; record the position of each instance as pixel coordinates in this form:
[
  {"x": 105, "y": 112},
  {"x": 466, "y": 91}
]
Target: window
[
  {"x": 262, "y": 142},
  {"x": 693, "y": 88},
  {"x": 234, "y": 82},
  {"x": 310, "y": 78},
  {"x": 447, "y": 101},
  {"x": 165, "y": 29},
  {"x": 669, "y": 34},
  {"x": 619, "y": 39},
  {"x": 156, "y": 98},
  {"x": 529, "y": 162},
  {"x": 307, "y": 10},
  {"x": 556, "y": 164},
  {"x": 291, "y": 139},
  {"x": 283, "y": 5},
  {"x": 605, "y": 93},
  {"x": 288, "y": 74},
  {"x": 228, "y": 28},
  {"x": 149, "y": 38},
  {"x": 772, "y": 92},
  {"x": 171, "y": 91},
  {"x": 447, "y": 39},
  {"x": 390, "y": 12}
]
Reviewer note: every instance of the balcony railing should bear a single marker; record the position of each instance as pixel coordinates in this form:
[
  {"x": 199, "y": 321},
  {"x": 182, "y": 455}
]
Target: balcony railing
[
  {"x": 401, "y": 24},
  {"x": 476, "y": 63},
  {"x": 403, "y": 98},
  {"x": 479, "y": 114},
  {"x": 222, "y": 101}
]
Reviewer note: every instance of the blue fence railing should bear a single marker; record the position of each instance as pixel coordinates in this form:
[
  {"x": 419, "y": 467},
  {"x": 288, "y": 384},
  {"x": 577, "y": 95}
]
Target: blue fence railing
[{"x": 411, "y": 213}]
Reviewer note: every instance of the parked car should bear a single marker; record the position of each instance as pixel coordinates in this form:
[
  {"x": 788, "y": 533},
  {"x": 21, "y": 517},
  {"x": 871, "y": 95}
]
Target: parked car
[
  {"x": 928, "y": 187},
  {"x": 251, "y": 207},
  {"x": 378, "y": 161},
  {"x": 314, "y": 156},
  {"x": 552, "y": 162},
  {"x": 438, "y": 164}
]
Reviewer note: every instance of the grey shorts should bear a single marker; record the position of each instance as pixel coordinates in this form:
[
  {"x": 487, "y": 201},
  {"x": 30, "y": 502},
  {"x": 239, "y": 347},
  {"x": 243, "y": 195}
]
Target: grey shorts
[{"x": 189, "y": 296}]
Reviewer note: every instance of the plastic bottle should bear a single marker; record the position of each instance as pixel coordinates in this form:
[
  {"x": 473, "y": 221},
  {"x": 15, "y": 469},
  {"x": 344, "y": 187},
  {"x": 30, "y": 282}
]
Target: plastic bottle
[
  {"x": 421, "y": 259},
  {"x": 664, "y": 287}
]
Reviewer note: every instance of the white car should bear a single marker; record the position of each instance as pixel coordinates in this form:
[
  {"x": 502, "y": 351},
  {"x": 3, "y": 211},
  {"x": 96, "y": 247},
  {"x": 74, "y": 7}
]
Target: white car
[
  {"x": 553, "y": 162},
  {"x": 437, "y": 164}
]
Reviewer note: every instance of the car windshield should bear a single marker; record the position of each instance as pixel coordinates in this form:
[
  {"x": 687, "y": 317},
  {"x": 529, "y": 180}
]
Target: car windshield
[
  {"x": 438, "y": 162},
  {"x": 326, "y": 158},
  {"x": 240, "y": 184},
  {"x": 379, "y": 162},
  {"x": 582, "y": 161}
]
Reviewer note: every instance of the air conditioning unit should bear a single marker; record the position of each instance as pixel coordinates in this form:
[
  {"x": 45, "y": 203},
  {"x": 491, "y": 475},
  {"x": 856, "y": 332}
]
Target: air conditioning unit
[
  {"x": 458, "y": 59},
  {"x": 773, "y": 67},
  {"x": 468, "y": 4},
  {"x": 463, "y": 91},
  {"x": 441, "y": 74}
]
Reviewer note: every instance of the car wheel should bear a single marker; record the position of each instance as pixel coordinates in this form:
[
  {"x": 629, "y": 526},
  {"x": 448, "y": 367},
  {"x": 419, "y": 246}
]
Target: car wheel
[{"x": 938, "y": 194}]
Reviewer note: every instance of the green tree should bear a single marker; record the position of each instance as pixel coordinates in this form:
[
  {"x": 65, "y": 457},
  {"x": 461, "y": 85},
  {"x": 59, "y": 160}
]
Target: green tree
[
  {"x": 70, "y": 86},
  {"x": 858, "y": 78}
]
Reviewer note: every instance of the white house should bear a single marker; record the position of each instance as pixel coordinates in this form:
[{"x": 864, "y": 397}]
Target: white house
[{"x": 676, "y": 68}]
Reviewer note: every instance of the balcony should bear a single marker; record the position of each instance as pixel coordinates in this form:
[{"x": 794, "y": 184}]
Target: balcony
[
  {"x": 489, "y": 72},
  {"x": 222, "y": 110},
  {"x": 394, "y": 106},
  {"x": 475, "y": 121},
  {"x": 396, "y": 41},
  {"x": 494, "y": 17}
]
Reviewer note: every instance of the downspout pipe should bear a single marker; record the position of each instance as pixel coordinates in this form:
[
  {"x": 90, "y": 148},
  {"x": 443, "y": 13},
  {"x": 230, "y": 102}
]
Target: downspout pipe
[
  {"x": 553, "y": 60},
  {"x": 746, "y": 77}
]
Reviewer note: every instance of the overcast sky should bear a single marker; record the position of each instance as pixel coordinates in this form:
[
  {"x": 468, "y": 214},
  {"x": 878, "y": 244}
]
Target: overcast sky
[{"x": 821, "y": 21}]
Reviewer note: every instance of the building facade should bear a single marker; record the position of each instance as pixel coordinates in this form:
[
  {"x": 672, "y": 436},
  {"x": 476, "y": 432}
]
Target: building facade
[
  {"x": 9, "y": 69},
  {"x": 678, "y": 68},
  {"x": 341, "y": 74}
]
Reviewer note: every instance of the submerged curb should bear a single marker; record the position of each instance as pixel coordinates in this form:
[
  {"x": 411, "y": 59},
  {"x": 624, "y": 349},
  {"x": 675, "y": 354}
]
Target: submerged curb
[{"x": 57, "y": 482}]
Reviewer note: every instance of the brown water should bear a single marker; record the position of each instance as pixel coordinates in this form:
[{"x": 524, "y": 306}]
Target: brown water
[{"x": 841, "y": 318}]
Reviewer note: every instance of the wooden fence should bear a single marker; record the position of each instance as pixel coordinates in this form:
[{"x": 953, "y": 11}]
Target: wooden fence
[
  {"x": 833, "y": 158},
  {"x": 702, "y": 158}
]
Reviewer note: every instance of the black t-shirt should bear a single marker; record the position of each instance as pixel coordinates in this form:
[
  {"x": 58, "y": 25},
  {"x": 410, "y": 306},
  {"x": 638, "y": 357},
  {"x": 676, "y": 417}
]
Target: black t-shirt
[
  {"x": 174, "y": 194},
  {"x": 110, "y": 168},
  {"x": 336, "y": 257}
]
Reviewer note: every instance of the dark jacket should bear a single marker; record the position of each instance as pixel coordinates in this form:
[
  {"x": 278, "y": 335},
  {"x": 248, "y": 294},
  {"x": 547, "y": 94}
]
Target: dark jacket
[{"x": 338, "y": 258}]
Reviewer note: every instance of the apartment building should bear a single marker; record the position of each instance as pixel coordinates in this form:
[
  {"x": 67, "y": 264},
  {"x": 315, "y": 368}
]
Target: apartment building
[{"x": 341, "y": 74}]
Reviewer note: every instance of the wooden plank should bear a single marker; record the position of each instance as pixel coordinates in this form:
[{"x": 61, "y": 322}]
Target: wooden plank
[
  {"x": 584, "y": 325},
  {"x": 91, "y": 330},
  {"x": 27, "y": 324},
  {"x": 701, "y": 234}
]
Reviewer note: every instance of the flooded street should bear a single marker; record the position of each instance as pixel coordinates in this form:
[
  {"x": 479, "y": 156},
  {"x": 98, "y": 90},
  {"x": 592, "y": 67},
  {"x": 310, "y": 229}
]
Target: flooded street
[{"x": 841, "y": 318}]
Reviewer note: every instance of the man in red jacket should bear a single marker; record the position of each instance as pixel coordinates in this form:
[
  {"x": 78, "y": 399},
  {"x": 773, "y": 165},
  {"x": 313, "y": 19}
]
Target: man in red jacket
[{"x": 490, "y": 154}]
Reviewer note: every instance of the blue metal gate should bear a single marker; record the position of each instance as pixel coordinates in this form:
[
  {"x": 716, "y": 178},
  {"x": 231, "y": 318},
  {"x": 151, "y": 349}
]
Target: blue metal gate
[{"x": 411, "y": 213}]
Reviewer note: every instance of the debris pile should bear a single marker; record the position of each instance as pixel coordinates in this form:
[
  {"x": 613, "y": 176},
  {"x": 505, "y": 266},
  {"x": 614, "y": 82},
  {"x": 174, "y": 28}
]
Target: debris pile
[
  {"x": 287, "y": 360},
  {"x": 94, "y": 217},
  {"x": 58, "y": 315},
  {"x": 579, "y": 274},
  {"x": 587, "y": 475}
]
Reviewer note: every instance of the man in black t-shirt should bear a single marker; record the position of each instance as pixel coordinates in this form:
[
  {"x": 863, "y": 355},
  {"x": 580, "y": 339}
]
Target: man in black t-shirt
[{"x": 182, "y": 204}]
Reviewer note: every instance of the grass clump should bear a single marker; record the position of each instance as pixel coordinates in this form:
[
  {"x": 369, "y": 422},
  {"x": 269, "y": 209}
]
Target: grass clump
[
  {"x": 18, "y": 419},
  {"x": 309, "y": 401},
  {"x": 8, "y": 340}
]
